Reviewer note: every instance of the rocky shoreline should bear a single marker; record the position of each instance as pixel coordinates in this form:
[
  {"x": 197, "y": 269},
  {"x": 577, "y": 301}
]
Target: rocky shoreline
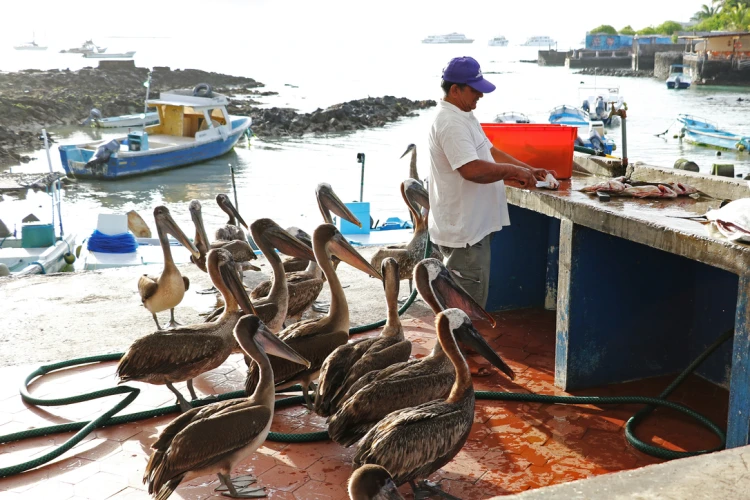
[
  {"x": 616, "y": 72},
  {"x": 32, "y": 99}
]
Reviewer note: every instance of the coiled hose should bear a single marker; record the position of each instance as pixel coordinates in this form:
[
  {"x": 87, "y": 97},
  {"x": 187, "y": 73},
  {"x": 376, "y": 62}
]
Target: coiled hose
[{"x": 107, "y": 418}]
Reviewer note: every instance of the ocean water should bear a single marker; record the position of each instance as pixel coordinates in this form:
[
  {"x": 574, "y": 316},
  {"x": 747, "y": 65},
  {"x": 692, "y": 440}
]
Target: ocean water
[{"x": 277, "y": 178}]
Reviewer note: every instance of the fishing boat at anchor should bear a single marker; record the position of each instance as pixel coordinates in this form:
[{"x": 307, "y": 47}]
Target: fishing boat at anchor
[
  {"x": 702, "y": 132},
  {"x": 590, "y": 131},
  {"x": 192, "y": 128}
]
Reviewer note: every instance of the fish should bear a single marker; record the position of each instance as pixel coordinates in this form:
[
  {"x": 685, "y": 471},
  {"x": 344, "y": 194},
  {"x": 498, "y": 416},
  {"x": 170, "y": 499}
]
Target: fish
[
  {"x": 682, "y": 189},
  {"x": 732, "y": 220},
  {"x": 660, "y": 191},
  {"x": 609, "y": 186}
]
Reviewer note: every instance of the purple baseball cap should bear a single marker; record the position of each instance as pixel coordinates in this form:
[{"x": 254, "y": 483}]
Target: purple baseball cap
[{"x": 466, "y": 70}]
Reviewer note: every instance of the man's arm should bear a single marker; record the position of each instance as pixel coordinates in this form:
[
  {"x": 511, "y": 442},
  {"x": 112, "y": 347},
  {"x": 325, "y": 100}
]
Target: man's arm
[
  {"x": 502, "y": 157},
  {"x": 486, "y": 172}
]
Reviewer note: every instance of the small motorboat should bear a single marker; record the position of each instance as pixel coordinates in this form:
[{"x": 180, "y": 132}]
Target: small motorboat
[
  {"x": 677, "y": 78},
  {"x": 512, "y": 117},
  {"x": 599, "y": 102},
  {"x": 32, "y": 45},
  {"x": 702, "y": 132},
  {"x": 87, "y": 47},
  {"x": 112, "y": 55},
  {"x": 569, "y": 115},
  {"x": 138, "y": 120}
]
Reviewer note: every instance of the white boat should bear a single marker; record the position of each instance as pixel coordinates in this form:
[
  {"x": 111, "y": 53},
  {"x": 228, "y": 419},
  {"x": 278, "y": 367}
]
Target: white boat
[
  {"x": 137, "y": 120},
  {"x": 32, "y": 45},
  {"x": 87, "y": 47},
  {"x": 449, "y": 38},
  {"x": 512, "y": 117},
  {"x": 25, "y": 259},
  {"x": 96, "y": 55},
  {"x": 498, "y": 41},
  {"x": 539, "y": 41},
  {"x": 599, "y": 102}
]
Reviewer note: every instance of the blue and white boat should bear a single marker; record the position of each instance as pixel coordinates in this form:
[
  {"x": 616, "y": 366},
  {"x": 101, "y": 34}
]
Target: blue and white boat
[
  {"x": 702, "y": 132},
  {"x": 590, "y": 132},
  {"x": 677, "y": 78},
  {"x": 569, "y": 115},
  {"x": 191, "y": 129}
]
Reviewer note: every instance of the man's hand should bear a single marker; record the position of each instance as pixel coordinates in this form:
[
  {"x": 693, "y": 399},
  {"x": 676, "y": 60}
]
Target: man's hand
[
  {"x": 540, "y": 174},
  {"x": 523, "y": 177}
]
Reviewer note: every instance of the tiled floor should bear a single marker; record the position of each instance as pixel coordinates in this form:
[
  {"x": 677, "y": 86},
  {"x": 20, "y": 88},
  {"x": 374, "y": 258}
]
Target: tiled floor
[{"x": 512, "y": 447}]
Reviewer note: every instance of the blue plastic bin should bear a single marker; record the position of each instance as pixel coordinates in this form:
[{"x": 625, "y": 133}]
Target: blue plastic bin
[
  {"x": 37, "y": 234},
  {"x": 362, "y": 212}
]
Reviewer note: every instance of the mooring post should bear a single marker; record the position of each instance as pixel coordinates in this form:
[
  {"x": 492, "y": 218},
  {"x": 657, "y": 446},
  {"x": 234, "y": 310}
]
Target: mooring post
[{"x": 361, "y": 159}]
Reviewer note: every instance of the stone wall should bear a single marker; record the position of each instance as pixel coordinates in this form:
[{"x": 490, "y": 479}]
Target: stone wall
[
  {"x": 715, "y": 72},
  {"x": 644, "y": 57},
  {"x": 598, "y": 62},
  {"x": 552, "y": 58},
  {"x": 662, "y": 62}
]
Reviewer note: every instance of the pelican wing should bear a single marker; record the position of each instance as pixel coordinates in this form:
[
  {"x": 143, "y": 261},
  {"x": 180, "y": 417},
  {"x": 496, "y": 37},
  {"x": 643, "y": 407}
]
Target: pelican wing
[
  {"x": 208, "y": 441},
  {"x": 241, "y": 250},
  {"x": 399, "y": 442},
  {"x": 147, "y": 286},
  {"x": 266, "y": 311},
  {"x": 381, "y": 354},
  {"x": 381, "y": 254},
  {"x": 164, "y": 353},
  {"x": 334, "y": 372},
  {"x": 314, "y": 348},
  {"x": 302, "y": 294},
  {"x": 378, "y": 375}
]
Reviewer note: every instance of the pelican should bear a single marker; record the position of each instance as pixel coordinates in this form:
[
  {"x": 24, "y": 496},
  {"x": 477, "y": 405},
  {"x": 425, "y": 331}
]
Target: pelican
[
  {"x": 230, "y": 231},
  {"x": 413, "y": 164},
  {"x": 414, "y": 442},
  {"x": 407, "y": 256},
  {"x": 414, "y": 382},
  {"x": 181, "y": 354},
  {"x": 215, "y": 438},
  {"x": 240, "y": 249},
  {"x": 351, "y": 361},
  {"x": 328, "y": 202},
  {"x": 316, "y": 338},
  {"x": 305, "y": 286},
  {"x": 372, "y": 482},
  {"x": 165, "y": 291}
]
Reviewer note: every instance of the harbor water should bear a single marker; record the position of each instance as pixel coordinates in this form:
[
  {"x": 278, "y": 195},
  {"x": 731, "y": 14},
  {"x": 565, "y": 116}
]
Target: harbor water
[{"x": 277, "y": 178}]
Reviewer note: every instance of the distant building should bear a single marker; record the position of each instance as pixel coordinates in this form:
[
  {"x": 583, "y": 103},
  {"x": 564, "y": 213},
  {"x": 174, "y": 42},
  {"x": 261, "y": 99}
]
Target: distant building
[
  {"x": 603, "y": 41},
  {"x": 719, "y": 57}
]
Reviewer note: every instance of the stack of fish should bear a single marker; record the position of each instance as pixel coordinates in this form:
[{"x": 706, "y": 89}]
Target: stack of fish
[{"x": 637, "y": 189}]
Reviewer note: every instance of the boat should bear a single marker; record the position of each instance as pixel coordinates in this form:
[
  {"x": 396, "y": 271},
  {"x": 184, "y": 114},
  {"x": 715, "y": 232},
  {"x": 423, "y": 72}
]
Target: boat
[
  {"x": 702, "y": 132},
  {"x": 593, "y": 137},
  {"x": 677, "y": 79},
  {"x": 191, "y": 129},
  {"x": 498, "y": 41},
  {"x": 599, "y": 103},
  {"x": 512, "y": 117},
  {"x": 136, "y": 120},
  {"x": 449, "y": 38},
  {"x": 32, "y": 45},
  {"x": 97, "y": 55},
  {"x": 87, "y": 47},
  {"x": 539, "y": 41},
  {"x": 569, "y": 115}
]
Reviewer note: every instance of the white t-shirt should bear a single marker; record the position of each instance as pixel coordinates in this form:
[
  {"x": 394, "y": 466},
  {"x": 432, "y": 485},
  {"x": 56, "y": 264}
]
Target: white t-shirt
[{"x": 461, "y": 212}]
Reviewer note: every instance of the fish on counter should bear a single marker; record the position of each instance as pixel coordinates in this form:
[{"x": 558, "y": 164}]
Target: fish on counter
[
  {"x": 640, "y": 189},
  {"x": 732, "y": 221},
  {"x": 608, "y": 186},
  {"x": 660, "y": 191}
]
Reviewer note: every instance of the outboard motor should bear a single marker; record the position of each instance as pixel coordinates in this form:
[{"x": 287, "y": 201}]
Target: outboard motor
[
  {"x": 597, "y": 143},
  {"x": 601, "y": 109},
  {"x": 579, "y": 142},
  {"x": 94, "y": 115},
  {"x": 586, "y": 106},
  {"x": 102, "y": 154}
]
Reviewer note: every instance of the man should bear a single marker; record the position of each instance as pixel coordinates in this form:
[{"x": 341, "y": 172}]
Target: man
[{"x": 467, "y": 192}]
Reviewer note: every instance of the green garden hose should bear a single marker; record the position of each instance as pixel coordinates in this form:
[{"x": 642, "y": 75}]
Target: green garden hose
[{"x": 108, "y": 418}]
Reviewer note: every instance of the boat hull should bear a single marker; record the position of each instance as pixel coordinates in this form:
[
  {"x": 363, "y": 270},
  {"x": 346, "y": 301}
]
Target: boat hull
[
  {"x": 94, "y": 55},
  {"x": 45, "y": 260},
  {"x": 129, "y": 164}
]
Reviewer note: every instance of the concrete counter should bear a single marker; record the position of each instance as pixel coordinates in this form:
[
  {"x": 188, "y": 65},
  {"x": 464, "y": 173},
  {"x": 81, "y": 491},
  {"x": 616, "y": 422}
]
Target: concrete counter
[{"x": 638, "y": 291}]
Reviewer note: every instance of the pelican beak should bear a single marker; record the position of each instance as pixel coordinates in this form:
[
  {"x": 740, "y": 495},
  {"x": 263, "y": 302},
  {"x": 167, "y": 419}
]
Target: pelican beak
[
  {"x": 328, "y": 199},
  {"x": 288, "y": 244},
  {"x": 408, "y": 150},
  {"x": 171, "y": 227},
  {"x": 227, "y": 206},
  {"x": 448, "y": 293},
  {"x": 276, "y": 347},
  {"x": 344, "y": 251},
  {"x": 232, "y": 280},
  {"x": 201, "y": 238},
  {"x": 416, "y": 194},
  {"x": 469, "y": 336}
]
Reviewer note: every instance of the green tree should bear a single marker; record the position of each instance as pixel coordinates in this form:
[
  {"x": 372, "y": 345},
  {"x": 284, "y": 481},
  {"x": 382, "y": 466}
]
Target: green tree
[
  {"x": 647, "y": 31},
  {"x": 707, "y": 11},
  {"x": 738, "y": 17},
  {"x": 604, "y": 28},
  {"x": 668, "y": 28},
  {"x": 627, "y": 30}
]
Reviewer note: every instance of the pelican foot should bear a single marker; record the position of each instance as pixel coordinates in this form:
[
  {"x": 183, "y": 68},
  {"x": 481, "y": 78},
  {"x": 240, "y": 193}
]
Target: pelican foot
[
  {"x": 173, "y": 324},
  {"x": 426, "y": 489},
  {"x": 247, "y": 493},
  {"x": 239, "y": 482},
  {"x": 207, "y": 291},
  {"x": 321, "y": 307}
]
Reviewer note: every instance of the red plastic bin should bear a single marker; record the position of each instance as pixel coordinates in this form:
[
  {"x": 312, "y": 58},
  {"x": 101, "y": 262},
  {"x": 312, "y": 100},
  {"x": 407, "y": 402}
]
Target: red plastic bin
[{"x": 540, "y": 145}]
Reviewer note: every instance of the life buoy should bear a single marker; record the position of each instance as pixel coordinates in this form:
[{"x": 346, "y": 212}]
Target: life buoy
[{"x": 203, "y": 90}]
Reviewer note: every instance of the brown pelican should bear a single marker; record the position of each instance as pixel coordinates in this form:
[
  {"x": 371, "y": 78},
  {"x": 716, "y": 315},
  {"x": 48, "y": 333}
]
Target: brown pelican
[
  {"x": 328, "y": 202},
  {"x": 316, "y": 338},
  {"x": 413, "y": 164},
  {"x": 215, "y": 438},
  {"x": 165, "y": 291},
  {"x": 351, "y": 361},
  {"x": 240, "y": 249},
  {"x": 414, "y": 382},
  {"x": 372, "y": 482},
  {"x": 407, "y": 256},
  {"x": 413, "y": 443},
  {"x": 181, "y": 354},
  {"x": 231, "y": 231}
]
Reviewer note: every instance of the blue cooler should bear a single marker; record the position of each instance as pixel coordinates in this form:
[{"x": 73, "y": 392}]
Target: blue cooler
[
  {"x": 37, "y": 234},
  {"x": 362, "y": 212}
]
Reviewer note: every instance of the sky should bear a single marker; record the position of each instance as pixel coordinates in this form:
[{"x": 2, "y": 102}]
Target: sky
[{"x": 262, "y": 21}]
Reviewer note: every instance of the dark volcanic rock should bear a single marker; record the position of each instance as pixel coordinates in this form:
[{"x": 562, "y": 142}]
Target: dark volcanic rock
[
  {"x": 615, "y": 72},
  {"x": 352, "y": 115}
]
